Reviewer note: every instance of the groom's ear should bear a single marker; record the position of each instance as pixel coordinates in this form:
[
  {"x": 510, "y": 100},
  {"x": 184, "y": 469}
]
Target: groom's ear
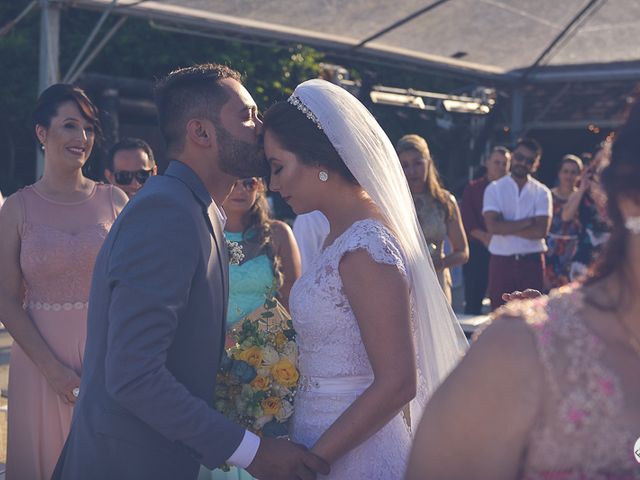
[{"x": 201, "y": 132}]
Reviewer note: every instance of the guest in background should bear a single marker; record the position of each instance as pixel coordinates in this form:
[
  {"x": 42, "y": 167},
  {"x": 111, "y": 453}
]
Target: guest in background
[
  {"x": 517, "y": 212},
  {"x": 51, "y": 234},
  {"x": 311, "y": 230},
  {"x": 554, "y": 380},
  {"x": 129, "y": 164},
  {"x": 476, "y": 270},
  {"x": 562, "y": 240},
  {"x": 437, "y": 209},
  {"x": 271, "y": 262},
  {"x": 586, "y": 207}
]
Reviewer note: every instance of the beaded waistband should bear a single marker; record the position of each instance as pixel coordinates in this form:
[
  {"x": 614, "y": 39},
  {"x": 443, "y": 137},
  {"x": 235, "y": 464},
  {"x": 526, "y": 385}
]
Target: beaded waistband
[
  {"x": 57, "y": 307},
  {"x": 334, "y": 385}
]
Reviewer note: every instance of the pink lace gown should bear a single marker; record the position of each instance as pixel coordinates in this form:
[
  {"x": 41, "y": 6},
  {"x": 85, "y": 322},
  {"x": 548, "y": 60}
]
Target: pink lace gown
[
  {"x": 589, "y": 423},
  {"x": 60, "y": 242}
]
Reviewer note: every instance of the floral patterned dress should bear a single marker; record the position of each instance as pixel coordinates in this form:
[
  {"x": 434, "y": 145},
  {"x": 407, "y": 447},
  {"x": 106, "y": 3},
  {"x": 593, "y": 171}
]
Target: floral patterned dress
[
  {"x": 562, "y": 244},
  {"x": 587, "y": 426}
]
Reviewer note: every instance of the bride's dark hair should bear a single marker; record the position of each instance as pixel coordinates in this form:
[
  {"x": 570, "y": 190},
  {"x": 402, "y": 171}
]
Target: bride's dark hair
[{"x": 299, "y": 135}]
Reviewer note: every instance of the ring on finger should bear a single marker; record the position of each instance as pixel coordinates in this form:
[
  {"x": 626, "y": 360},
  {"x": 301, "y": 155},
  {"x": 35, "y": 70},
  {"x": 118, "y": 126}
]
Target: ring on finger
[{"x": 75, "y": 392}]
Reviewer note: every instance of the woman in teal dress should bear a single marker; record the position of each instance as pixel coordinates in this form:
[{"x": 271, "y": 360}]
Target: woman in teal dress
[{"x": 265, "y": 262}]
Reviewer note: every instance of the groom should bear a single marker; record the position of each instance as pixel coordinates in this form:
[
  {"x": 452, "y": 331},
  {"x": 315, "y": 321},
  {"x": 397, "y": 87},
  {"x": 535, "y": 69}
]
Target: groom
[{"x": 158, "y": 306}]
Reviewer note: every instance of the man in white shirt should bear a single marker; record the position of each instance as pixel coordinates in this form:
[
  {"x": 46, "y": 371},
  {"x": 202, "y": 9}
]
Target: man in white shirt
[{"x": 517, "y": 213}]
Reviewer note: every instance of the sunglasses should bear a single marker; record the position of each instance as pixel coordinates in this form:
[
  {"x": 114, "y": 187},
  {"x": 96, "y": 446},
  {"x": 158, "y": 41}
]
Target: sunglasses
[
  {"x": 249, "y": 184},
  {"x": 124, "y": 177}
]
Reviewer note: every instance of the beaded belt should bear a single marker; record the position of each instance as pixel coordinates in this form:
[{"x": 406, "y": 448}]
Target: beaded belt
[
  {"x": 334, "y": 385},
  {"x": 57, "y": 307}
]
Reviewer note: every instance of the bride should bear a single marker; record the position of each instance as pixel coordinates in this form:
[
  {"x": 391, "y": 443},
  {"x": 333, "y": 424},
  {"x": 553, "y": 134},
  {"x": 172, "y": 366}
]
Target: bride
[{"x": 375, "y": 332}]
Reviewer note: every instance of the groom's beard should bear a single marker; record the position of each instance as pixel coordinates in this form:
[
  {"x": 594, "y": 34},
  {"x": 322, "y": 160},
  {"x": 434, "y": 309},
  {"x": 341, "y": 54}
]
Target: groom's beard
[{"x": 240, "y": 159}]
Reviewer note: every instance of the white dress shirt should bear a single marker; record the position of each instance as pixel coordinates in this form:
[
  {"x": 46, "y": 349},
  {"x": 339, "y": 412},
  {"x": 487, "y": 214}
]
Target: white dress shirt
[{"x": 505, "y": 197}]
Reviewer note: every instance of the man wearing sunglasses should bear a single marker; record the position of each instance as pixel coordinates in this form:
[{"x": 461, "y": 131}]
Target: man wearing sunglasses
[{"x": 129, "y": 164}]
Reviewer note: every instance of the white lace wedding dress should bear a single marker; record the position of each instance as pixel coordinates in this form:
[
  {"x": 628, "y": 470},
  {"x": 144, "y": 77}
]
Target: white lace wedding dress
[{"x": 333, "y": 362}]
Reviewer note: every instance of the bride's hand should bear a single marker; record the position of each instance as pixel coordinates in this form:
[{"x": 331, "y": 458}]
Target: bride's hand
[{"x": 278, "y": 458}]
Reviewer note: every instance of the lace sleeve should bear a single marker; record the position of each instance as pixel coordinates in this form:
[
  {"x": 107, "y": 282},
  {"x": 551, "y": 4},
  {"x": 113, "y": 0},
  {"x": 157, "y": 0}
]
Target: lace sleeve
[{"x": 381, "y": 245}]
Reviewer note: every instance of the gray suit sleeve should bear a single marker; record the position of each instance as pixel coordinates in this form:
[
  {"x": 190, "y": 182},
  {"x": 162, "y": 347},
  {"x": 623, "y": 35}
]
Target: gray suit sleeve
[{"x": 152, "y": 263}]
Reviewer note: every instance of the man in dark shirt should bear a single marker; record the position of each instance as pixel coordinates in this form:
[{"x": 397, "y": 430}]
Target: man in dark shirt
[{"x": 476, "y": 270}]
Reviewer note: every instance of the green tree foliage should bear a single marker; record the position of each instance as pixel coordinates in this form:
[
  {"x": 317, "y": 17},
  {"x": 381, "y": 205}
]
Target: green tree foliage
[{"x": 138, "y": 50}]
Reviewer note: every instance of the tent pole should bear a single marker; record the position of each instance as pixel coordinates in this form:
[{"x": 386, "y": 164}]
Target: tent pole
[
  {"x": 517, "y": 113},
  {"x": 49, "y": 69}
]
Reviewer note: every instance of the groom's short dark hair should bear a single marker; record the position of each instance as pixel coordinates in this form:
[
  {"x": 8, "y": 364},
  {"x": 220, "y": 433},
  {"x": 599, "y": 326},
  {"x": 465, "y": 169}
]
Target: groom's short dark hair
[{"x": 187, "y": 93}]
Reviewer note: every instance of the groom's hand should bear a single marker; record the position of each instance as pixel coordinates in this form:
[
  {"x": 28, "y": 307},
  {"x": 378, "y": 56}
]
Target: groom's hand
[{"x": 283, "y": 460}]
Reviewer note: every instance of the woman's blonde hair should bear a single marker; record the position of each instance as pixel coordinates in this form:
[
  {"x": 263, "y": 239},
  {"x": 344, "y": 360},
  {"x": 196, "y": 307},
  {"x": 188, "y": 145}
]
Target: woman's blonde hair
[
  {"x": 416, "y": 143},
  {"x": 257, "y": 229}
]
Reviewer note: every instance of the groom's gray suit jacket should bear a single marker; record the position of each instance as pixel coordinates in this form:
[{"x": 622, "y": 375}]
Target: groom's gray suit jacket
[{"x": 155, "y": 336}]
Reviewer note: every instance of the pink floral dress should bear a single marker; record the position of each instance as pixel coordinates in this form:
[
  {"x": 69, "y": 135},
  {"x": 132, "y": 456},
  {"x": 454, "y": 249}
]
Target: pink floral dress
[{"x": 586, "y": 429}]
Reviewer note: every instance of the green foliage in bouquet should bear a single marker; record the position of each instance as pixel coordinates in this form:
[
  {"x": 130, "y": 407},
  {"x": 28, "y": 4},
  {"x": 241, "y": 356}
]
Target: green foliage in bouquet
[{"x": 258, "y": 377}]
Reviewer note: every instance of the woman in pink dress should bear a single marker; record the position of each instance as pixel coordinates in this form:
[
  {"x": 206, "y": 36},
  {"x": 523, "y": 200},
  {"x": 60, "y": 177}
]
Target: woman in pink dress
[
  {"x": 550, "y": 390},
  {"x": 51, "y": 234}
]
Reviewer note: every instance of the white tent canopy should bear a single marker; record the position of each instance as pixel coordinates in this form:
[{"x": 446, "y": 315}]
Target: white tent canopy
[{"x": 501, "y": 39}]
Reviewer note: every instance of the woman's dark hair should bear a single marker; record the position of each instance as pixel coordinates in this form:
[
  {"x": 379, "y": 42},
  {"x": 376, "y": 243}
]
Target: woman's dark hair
[
  {"x": 299, "y": 135},
  {"x": 620, "y": 177},
  {"x": 50, "y": 100},
  {"x": 257, "y": 230}
]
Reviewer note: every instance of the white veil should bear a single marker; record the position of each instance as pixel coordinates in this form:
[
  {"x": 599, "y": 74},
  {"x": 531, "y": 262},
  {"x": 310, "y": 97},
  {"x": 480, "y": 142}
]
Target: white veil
[{"x": 369, "y": 155}]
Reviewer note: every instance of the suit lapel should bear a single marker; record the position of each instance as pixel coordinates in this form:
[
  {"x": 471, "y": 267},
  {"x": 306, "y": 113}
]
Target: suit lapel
[{"x": 223, "y": 255}]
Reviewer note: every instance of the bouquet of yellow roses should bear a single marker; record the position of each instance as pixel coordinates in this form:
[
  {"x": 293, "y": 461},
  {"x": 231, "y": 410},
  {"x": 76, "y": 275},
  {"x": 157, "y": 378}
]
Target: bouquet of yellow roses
[{"x": 258, "y": 375}]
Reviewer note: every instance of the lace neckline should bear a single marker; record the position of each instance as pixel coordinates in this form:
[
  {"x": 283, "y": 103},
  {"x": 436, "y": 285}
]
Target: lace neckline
[
  {"x": 351, "y": 227},
  {"x": 57, "y": 202}
]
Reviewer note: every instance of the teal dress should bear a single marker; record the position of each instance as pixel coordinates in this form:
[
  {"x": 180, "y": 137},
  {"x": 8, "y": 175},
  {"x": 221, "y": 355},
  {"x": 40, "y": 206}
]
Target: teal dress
[{"x": 249, "y": 285}]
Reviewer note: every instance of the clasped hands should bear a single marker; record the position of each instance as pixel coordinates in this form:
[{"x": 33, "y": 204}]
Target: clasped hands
[{"x": 279, "y": 459}]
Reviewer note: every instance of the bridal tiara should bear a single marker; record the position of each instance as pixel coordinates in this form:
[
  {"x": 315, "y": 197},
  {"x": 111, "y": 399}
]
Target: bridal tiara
[{"x": 296, "y": 102}]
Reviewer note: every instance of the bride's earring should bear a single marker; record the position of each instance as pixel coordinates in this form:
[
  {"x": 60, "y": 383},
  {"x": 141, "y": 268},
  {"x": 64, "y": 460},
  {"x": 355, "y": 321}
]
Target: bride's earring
[
  {"x": 323, "y": 176},
  {"x": 633, "y": 225}
]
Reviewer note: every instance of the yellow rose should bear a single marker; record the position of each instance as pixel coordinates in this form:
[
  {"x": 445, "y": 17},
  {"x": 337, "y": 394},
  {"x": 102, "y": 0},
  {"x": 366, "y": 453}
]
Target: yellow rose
[
  {"x": 253, "y": 356},
  {"x": 281, "y": 340},
  {"x": 285, "y": 373},
  {"x": 261, "y": 383},
  {"x": 271, "y": 405}
]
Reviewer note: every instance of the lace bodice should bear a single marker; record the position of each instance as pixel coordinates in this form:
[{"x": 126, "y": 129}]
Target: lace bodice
[
  {"x": 329, "y": 341},
  {"x": 60, "y": 242},
  {"x": 582, "y": 431}
]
